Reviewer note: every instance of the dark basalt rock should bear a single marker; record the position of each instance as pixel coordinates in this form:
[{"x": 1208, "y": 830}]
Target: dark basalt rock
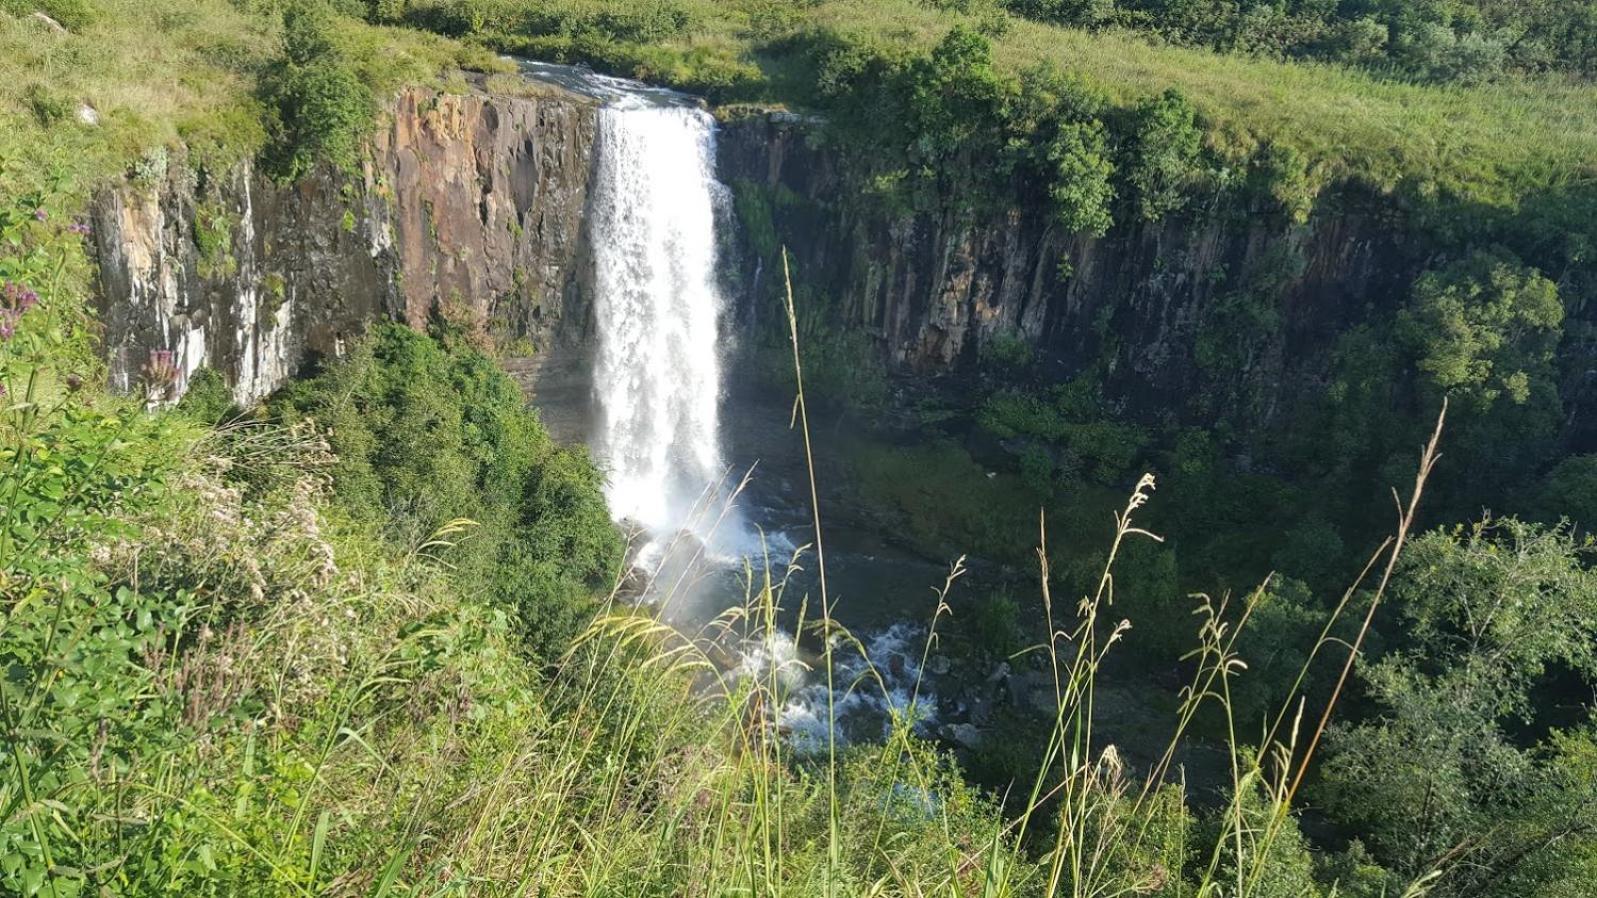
[
  {"x": 933, "y": 289},
  {"x": 467, "y": 206},
  {"x": 471, "y": 206}
]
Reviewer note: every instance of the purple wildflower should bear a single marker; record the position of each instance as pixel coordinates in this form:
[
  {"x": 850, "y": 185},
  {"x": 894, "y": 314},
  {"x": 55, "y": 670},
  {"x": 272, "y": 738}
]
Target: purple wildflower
[
  {"x": 162, "y": 371},
  {"x": 8, "y": 323},
  {"x": 40, "y": 215},
  {"x": 18, "y": 297},
  {"x": 79, "y": 228}
]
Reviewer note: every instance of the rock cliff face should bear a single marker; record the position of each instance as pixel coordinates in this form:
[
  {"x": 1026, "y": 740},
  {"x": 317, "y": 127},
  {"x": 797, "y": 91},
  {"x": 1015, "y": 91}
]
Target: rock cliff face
[
  {"x": 472, "y": 206},
  {"x": 468, "y": 206},
  {"x": 1243, "y": 290}
]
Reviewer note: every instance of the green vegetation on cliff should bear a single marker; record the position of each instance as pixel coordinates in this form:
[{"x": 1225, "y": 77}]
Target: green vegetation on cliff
[
  {"x": 1493, "y": 140},
  {"x": 112, "y": 86},
  {"x": 430, "y": 435}
]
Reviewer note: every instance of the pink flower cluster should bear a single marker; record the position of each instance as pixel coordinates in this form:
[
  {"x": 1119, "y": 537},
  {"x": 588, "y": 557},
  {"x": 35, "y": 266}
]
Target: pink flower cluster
[
  {"x": 15, "y": 301},
  {"x": 162, "y": 371}
]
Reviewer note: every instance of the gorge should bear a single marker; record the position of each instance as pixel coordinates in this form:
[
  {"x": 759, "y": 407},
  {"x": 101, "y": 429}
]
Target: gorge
[
  {"x": 408, "y": 485},
  {"x": 620, "y": 246}
]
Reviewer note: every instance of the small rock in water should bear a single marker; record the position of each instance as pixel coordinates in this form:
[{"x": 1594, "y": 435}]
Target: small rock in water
[
  {"x": 1017, "y": 691},
  {"x": 896, "y": 665},
  {"x": 999, "y": 673},
  {"x": 940, "y": 665},
  {"x": 962, "y": 734}
]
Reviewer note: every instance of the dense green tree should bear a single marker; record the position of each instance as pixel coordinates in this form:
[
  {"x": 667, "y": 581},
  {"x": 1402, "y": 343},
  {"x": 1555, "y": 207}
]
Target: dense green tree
[
  {"x": 1441, "y": 773},
  {"x": 1065, "y": 12},
  {"x": 955, "y": 104},
  {"x": 1162, "y": 153},
  {"x": 1056, "y": 137},
  {"x": 1484, "y": 329},
  {"x": 1081, "y": 193},
  {"x": 1269, "y": 857},
  {"x": 1569, "y": 491},
  {"x": 1275, "y": 643},
  {"x": 1459, "y": 41},
  {"x": 1484, "y": 332},
  {"x": 320, "y": 109}
]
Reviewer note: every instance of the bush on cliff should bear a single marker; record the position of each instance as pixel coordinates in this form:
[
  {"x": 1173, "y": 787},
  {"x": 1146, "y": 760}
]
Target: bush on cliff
[
  {"x": 320, "y": 108},
  {"x": 430, "y": 432}
]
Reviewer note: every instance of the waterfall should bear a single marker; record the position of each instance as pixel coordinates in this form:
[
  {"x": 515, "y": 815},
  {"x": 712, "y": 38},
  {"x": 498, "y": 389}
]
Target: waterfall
[
  {"x": 657, "y": 388},
  {"x": 657, "y": 305}
]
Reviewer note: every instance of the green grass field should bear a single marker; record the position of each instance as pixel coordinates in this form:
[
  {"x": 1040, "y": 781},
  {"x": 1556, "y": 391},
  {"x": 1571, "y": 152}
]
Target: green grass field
[
  {"x": 162, "y": 73},
  {"x": 167, "y": 70},
  {"x": 1489, "y": 142}
]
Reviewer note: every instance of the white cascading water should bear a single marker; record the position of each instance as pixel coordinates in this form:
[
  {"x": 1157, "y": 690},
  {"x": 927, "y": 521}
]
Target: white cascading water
[{"x": 658, "y": 372}]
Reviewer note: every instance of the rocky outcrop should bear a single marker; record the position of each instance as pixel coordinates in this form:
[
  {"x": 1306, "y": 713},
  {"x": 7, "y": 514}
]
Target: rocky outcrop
[
  {"x": 1145, "y": 301},
  {"x": 485, "y": 199},
  {"x": 469, "y": 206}
]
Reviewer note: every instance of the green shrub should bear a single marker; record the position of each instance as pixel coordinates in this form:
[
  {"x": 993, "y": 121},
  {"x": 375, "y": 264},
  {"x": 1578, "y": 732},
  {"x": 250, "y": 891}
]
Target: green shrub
[
  {"x": 1161, "y": 156},
  {"x": 1283, "y": 628},
  {"x": 213, "y": 239},
  {"x": 386, "y": 11},
  {"x": 72, "y": 14},
  {"x": 1080, "y": 188},
  {"x": 1148, "y": 594},
  {"x": 1569, "y": 491},
  {"x": 1007, "y": 353},
  {"x": 1312, "y": 551},
  {"x": 1281, "y": 174},
  {"x": 1064, "y": 12},
  {"x": 994, "y": 628},
  {"x": 1073, "y": 420},
  {"x": 1483, "y": 615},
  {"x": 428, "y": 432},
  {"x": 48, "y": 106},
  {"x": 207, "y": 399},
  {"x": 321, "y": 108},
  {"x": 1484, "y": 329}
]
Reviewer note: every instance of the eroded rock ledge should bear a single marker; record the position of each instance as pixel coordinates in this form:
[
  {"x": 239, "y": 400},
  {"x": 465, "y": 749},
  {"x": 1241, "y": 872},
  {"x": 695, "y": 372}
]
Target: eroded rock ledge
[{"x": 470, "y": 206}]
